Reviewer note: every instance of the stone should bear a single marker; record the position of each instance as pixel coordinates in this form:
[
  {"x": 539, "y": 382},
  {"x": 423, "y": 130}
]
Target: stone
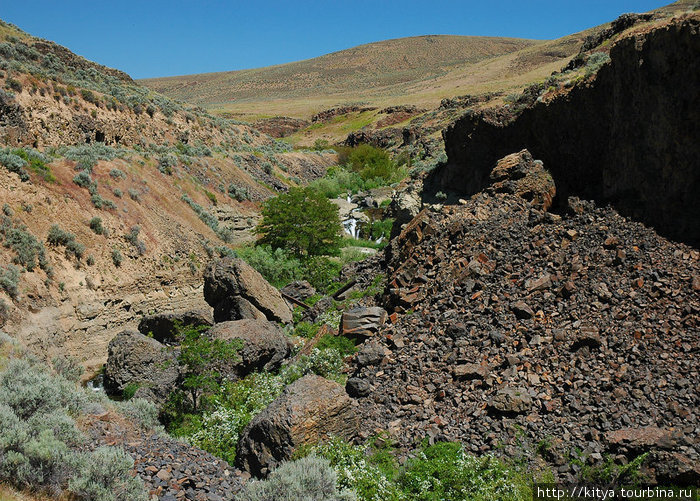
[
  {"x": 371, "y": 354},
  {"x": 470, "y": 371},
  {"x": 362, "y": 323},
  {"x": 162, "y": 326},
  {"x": 299, "y": 290},
  {"x": 309, "y": 410},
  {"x": 521, "y": 175},
  {"x": 133, "y": 358},
  {"x": 236, "y": 291},
  {"x": 635, "y": 441},
  {"x": 522, "y": 310},
  {"x": 357, "y": 387},
  {"x": 509, "y": 400},
  {"x": 264, "y": 346},
  {"x": 586, "y": 336}
]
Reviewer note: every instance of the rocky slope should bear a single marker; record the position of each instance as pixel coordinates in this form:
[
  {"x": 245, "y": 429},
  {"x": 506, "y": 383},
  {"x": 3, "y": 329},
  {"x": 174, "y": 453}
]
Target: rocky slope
[
  {"x": 626, "y": 136},
  {"x": 513, "y": 328},
  {"x": 150, "y": 189}
]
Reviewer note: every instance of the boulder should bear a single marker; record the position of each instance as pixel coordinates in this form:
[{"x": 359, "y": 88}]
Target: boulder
[
  {"x": 509, "y": 401},
  {"x": 299, "y": 290},
  {"x": 309, "y": 410},
  {"x": 634, "y": 441},
  {"x": 264, "y": 346},
  {"x": 357, "y": 387},
  {"x": 371, "y": 354},
  {"x": 162, "y": 326},
  {"x": 236, "y": 291},
  {"x": 521, "y": 175},
  {"x": 362, "y": 323},
  {"x": 133, "y": 358}
]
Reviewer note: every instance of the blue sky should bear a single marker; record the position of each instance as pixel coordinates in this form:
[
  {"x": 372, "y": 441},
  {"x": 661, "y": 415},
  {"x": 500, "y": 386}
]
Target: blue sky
[{"x": 160, "y": 38}]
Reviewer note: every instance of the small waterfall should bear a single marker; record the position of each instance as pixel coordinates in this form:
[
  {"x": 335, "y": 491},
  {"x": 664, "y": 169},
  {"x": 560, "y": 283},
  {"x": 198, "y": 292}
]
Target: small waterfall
[
  {"x": 97, "y": 383},
  {"x": 351, "y": 227}
]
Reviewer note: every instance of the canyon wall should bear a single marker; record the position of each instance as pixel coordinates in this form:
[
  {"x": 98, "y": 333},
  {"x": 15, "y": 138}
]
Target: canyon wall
[{"x": 628, "y": 137}]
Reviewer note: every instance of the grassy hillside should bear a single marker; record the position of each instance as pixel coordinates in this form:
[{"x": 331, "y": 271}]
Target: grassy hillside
[
  {"x": 418, "y": 71},
  {"x": 383, "y": 68}
]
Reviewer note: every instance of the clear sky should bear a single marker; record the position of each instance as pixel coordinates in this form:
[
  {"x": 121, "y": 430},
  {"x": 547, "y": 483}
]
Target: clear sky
[{"x": 150, "y": 38}]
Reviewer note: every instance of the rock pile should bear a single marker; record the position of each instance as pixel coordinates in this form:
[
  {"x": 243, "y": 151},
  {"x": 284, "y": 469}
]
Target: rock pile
[{"x": 570, "y": 327}]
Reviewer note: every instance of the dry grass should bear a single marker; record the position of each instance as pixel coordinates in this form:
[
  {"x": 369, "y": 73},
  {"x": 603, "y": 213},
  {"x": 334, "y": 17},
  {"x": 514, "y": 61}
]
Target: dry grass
[{"x": 417, "y": 70}]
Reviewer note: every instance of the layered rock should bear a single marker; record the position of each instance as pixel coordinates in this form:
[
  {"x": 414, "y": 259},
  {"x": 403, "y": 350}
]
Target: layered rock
[
  {"x": 309, "y": 410},
  {"x": 236, "y": 291}
]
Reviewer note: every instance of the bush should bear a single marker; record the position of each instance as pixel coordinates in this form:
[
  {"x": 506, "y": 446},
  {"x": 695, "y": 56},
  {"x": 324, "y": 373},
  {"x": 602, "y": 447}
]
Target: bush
[
  {"x": 117, "y": 192},
  {"x": 28, "y": 249},
  {"x": 209, "y": 219},
  {"x": 14, "y": 163},
  {"x": 96, "y": 225},
  {"x": 83, "y": 179},
  {"x": 310, "y": 478},
  {"x": 37, "y": 162},
  {"x": 57, "y": 237},
  {"x": 117, "y": 257},
  {"x": 166, "y": 164},
  {"x": 239, "y": 193},
  {"x": 133, "y": 238},
  {"x": 105, "y": 475},
  {"x": 87, "y": 155},
  {"x": 134, "y": 195},
  {"x": 117, "y": 174},
  {"x": 68, "y": 368},
  {"x": 596, "y": 61},
  {"x": 9, "y": 280},
  {"x": 142, "y": 411},
  {"x": 279, "y": 266},
  {"x": 303, "y": 221}
]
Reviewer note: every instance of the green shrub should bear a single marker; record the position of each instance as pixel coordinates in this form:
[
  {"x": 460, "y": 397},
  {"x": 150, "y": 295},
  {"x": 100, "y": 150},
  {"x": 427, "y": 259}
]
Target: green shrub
[
  {"x": 142, "y": 411},
  {"x": 279, "y": 266},
  {"x": 129, "y": 391},
  {"x": 596, "y": 61},
  {"x": 14, "y": 163},
  {"x": 117, "y": 192},
  {"x": 133, "y": 238},
  {"x": 117, "y": 174},
  {"x": 57, "y": 237},
  {"x": 166, "y": 164},
  {"x": 134, "y": 195},
  {"x": 117, "y": 257},
  {"x": 83, "y": 179},
  {"x": 87, "y": 155},
  {"x": 96, "y": 225},
  {"x": 9, "y": 280},
  {"x": 36, "y": 161},
  {"x": 239, "y": 193},
  {"x": 105, "y": 475},
  {"x": 310, "y": 478},
  {"x": 303, "y": 221},
  {"x": 27, "y": 248},
  {"x": 209, "y": 219},
  {"x": 68, "y": 368}
]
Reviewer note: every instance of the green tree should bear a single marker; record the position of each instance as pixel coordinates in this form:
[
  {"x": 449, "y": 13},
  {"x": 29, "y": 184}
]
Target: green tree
[
  {"x": 302, "y": 221},
  {"x": 201, "y": 356}
]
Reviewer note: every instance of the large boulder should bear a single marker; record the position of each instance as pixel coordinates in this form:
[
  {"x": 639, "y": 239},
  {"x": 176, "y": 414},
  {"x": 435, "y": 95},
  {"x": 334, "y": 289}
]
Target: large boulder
[
  {"x": 309, "y": 410},
  {"x": 264, "y": 346},
  {"x": 163, "y": 326},
  {"x": 133, "y": 358},
  {"x": 236, "y": 291},
  {"x": 362, "y": 323},
  {"x": 521, "y": 175}
]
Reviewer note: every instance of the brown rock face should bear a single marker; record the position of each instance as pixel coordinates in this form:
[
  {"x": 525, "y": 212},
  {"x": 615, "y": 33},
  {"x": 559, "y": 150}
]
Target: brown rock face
[
  {"x": 264, "y": 345},
  {"x": 309, "y": 410},
  {"x": 628, "y": 137},
  {"x": 163, "y": 326},
  {"x": 236, "y": 291}
]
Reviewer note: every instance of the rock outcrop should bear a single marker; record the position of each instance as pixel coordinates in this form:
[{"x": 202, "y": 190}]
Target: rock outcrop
[
  {"x": 627, "y": 137},
  {"x": 135, "y": 359},
  {"x": 309, "y": 410},
  {"x": 264, "y": 346},
  {"x": 362, "y": 323},
  {"x": 236, "y": 291}
]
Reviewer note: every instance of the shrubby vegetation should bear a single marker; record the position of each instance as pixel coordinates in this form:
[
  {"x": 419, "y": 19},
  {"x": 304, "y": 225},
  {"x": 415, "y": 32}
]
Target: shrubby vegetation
[
  {"x": 42, "y": 449},
  {"x": 29, "y": 251},
  {"x": 307, "y": 478},
  {"x": 209, "y": 219},
  {"x": 436, "y": 472},
  {"x": 57, "y": 237},
  {"x": 17, "y": 160}
]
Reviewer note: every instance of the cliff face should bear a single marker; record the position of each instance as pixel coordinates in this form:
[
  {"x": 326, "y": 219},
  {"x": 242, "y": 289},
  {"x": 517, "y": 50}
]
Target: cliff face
[{"x": 629, "y": 137}]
